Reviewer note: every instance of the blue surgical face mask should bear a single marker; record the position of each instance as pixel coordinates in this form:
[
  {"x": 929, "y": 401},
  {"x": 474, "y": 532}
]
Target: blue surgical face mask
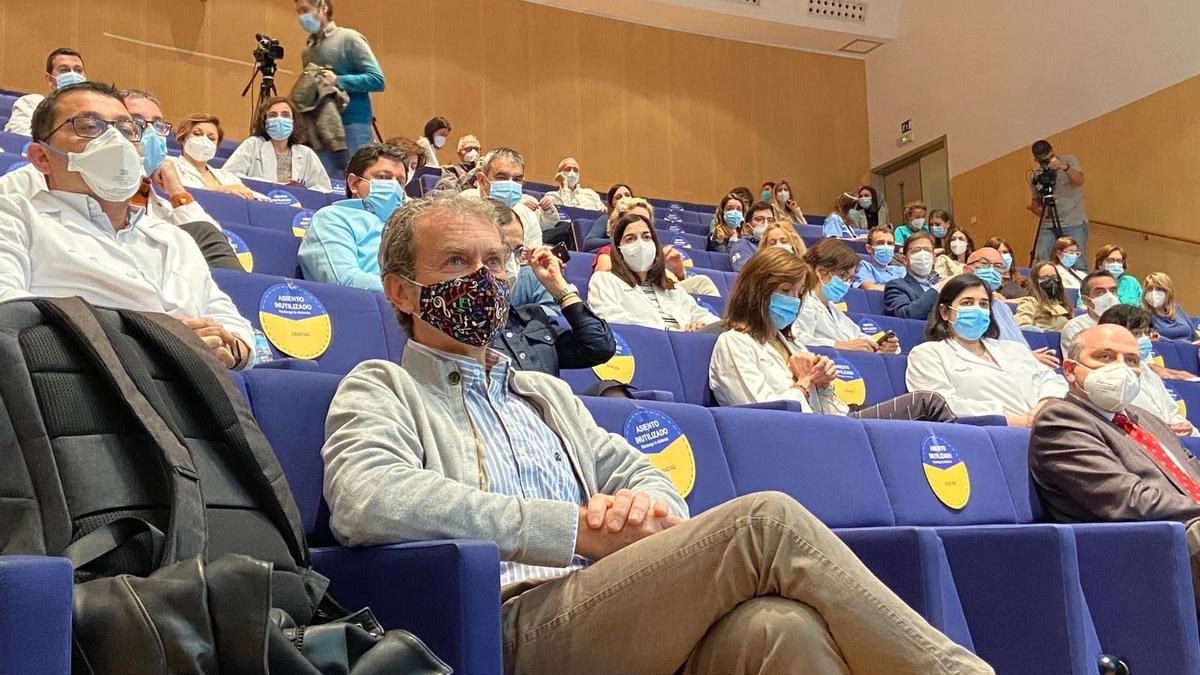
[
  {"x": 784, "y": 310},
  {"x": 507, "y": 191},
  {"x": 67, "y": 79},
  {"x": 970, "y": 323},
  {"x": 1115, "y": 269},
  {"x": 990, "y": 276},
  {"x": 938, "y": 231},
  {"x": 154, "y": 150},
  {"x": 835, "y": 289},
  {"x": 865, "y": 202},
  {"x": 384, "y": 198},
  {"x": 309, "y": 22},
  {"x": 1145, "y": 347},
  {"x": 1069, "y": 259},
  {"x": 883, "y": 254},
  {"x": 1007, "y": 257},
  {"x": 734, "y": 218},
  {"x": 280, "y": 128}
]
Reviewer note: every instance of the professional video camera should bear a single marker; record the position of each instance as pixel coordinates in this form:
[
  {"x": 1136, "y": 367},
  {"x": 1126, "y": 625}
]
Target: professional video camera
[
  {"x": 266, "y": 52},
  {"x": 1044, "y": 179}
]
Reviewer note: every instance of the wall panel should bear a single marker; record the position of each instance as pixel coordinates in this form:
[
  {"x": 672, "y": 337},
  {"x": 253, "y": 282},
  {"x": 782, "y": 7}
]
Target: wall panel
[{"x": 674, "y": 114}]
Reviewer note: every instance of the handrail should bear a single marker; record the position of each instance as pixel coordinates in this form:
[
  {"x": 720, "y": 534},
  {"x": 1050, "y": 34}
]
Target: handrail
[{"x": 1170, "y": 237}]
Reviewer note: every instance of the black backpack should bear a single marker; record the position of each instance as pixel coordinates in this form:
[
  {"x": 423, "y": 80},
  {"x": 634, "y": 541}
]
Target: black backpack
[{"x": 127, "y": 448}]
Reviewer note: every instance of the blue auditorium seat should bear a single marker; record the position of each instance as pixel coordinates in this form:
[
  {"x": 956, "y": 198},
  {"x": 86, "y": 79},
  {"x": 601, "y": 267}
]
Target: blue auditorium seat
[
  {"x": 14, "y": 144},
  {"x": 1034, "y": 338},
  {"x": 654, "y": 366},
  {"x": 10, "y": 161},
  {"x": 866, "y": 367},
  {"x": 910, "y": 332},
  {"x": 575, "y": 213},
  {"x": 713, "y": 486},
  {"x": 580, "y": 265},
  {"x": 697, "y": 256},
  {"x": 1027, "y": 613},
  {"x": 393, "y": 335},
  {"x": 713, "y": 303},
  {"x": 692, "y": 352},
  {"x": 1151, "y": 623},
  {"x": 6, "y": 105},
  {"x": 874, "y": 302},
  {"x": 720, "y": 261},
  {"x": 1179, "y": 355},
  {"x": 276, "y": 217},
  {"x": 274, "y": 252},
  {"x": 35, "y": 614},
  {"x": 355, "y": 315},
  {"x": 693, "y": 243},
  {"x": 224, "y": 208},
  {"x": 856, "y": 301},
  {"x": 447, "y": 592},
  {"x": 423, "y": 180},
  {"x": 309, "y": 199}
]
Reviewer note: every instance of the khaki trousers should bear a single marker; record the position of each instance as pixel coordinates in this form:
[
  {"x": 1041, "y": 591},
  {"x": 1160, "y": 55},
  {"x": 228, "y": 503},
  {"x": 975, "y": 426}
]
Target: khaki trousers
[{"x": 757, "y": 585}]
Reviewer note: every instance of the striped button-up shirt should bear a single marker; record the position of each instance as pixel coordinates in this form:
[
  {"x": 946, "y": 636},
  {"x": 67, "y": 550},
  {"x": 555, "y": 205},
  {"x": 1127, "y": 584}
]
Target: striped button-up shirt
[{"x": 522, "y": 455}]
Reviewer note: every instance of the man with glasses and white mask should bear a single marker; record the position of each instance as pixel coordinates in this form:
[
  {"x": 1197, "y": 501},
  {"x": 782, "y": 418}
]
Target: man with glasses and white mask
[
  {"x": 569, "y": 192},
  {"x": 83, "y": 236},
  {"x": 987, "y": 264},
  {"x": 758, "y": 219}
]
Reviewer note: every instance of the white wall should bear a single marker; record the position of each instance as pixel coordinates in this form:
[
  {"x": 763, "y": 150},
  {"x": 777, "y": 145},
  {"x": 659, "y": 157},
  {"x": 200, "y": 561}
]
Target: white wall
[{"x": 996, "y": 75}]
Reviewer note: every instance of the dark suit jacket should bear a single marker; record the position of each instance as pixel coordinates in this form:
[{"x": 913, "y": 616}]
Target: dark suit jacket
[
  {"x": 1088, "y": 469},
  {"x": 907, "y": 299}
]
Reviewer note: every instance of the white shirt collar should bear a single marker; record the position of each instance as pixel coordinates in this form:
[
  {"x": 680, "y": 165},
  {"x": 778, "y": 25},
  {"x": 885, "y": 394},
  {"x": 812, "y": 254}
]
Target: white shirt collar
[{"x": 89, "y": 208}]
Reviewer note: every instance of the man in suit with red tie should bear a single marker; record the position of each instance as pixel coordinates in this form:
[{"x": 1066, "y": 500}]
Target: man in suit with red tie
[{"x": 1095, "y": 457}]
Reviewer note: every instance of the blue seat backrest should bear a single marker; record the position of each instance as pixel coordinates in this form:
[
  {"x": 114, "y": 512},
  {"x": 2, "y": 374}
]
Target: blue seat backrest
[
  {"x": 1054, "y": 341},
  {"x": 9, "y": 161},
  {"x": 1012, "y": 449},
  {"x": 693, "y": 351},
  {"x": 712, "y": 485},
  {"x": 911, "y": 332},
  {"x": 1035, "y": 339},
  {"x": 653, "y": 361},
  {"x": 394, "y": 336},
  {"x": 1189, "y": 356},
  {"x": 274, "y": 252},
  {"x": 719, "y": 279},
  {"x": 6, "y": 104},
  {"x": 309, "y": 199},
  {"x": 1072, "y": 296},
  {"x": 822, "y": 461},
  {"x": 575, "y": 213},
  {"x": 14, "y": 144},
  {"x": 270, "y": 216},
  {"x": 875, "y": 302},
  {"x": 224, "y": 208},
  {"x": 690, "y": 242},
  {"x": 427, "y": 182},
  {"x": 713, "y": 303},
  {"x": 868, "y": 367},
  {"x": 580, "y": 265},
  {"x": 856, "y": 301},
  {"x": 719, "y": 261},
  {"x": 290, "y": 407},
  {"x": 898, "y": 451},
  {"x": 357, "y": 328}
]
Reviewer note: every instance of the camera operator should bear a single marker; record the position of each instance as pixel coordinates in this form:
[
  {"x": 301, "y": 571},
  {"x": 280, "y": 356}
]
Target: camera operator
[
  {"x": 349, "y": 65},
  {"x": 1063, "y": 173}
]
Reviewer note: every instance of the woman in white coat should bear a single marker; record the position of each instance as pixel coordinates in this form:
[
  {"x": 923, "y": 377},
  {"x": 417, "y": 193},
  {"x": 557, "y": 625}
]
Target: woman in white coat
[
  {"x": 756, "y": 360},
  {"x": 272, "y": 154},
  {"x": 834, "y": 267},
  {"x": 976, "y": 372},
  {"x": 636, "y": 290},
  {"x": 200, "y": 135}
]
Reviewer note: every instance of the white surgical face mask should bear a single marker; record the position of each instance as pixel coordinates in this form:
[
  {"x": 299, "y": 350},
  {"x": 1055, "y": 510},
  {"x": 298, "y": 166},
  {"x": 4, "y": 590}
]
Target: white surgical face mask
[
  {"x": 571, "y": 178},
  {"x": 758, "y": 230},
  {"x": 787, "y": 247},
  {"x": 110, "y": 165},
  {"x": 439, "y": 141},
  {"x": 1156, "y": 298},
  {"x": 1111, "y": 387},
  {"x": 639, "y": 255},
  {"x": 918, "y": 223},
  {"x": 1104, "y": 303},
  {"x": 958, "y": 247},
  {"x": 200, "y": 148},
  {"x": 784, "y": 195},
  {"x": 472, "y": 156},
  {"x": 921, "y": 263}
]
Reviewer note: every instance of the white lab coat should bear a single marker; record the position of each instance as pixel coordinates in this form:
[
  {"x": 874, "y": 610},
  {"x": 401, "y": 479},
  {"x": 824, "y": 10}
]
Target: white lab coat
[
  {"x": 617, "y": 302},
  {"x": 580, "y": 198},
  {"x": 744, "y": 371},
  {"x": 21, "y": 119},
  {"x": 823, "y": 324},
  {"x": 190, "y": 176},
  {"x": 62, "y": 244},
  {"x": 1070, "y": 278},
  {"x": 255, "y": 159},
  {"x": 975, "y": 386},
  {"x": 27, "y": 181},
  {"x": 1154, "y": 398},
  {"x": 431, "y": 158}
]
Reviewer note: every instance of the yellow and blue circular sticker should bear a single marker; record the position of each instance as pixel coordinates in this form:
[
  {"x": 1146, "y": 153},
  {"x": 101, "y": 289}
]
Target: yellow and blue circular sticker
[
  {"x": 656, "y": 435},
  {"x": 621, "y": 366},
  {"x": 680, "y": 242},
  {"x": 872, "y": 329},
  {"x": 946, "y": 472},
  {"x": 282, "y": 197},
  {"x": 849, "y": 385},
  {"x": 1156, "y": 358},
  {"x": 295, "y": 321},
  {"x": 244, "y": 255},
  {"x": 301, "y": 221},
  {"x": 687, "y": 259}
]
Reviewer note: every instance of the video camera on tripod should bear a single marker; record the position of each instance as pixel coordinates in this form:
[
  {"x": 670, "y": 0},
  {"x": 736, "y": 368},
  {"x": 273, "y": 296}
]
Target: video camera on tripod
[
  {"x": 1045, "y": 178},
  {"x": 266, "y": 52}
]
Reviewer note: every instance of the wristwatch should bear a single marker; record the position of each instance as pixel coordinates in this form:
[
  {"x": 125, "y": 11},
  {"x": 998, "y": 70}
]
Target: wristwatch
[{"x": 569, "y": 290}]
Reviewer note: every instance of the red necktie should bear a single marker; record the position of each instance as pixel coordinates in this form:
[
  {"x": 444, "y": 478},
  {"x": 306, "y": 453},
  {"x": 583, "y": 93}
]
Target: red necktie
[{"x": 1155, "y": 450}]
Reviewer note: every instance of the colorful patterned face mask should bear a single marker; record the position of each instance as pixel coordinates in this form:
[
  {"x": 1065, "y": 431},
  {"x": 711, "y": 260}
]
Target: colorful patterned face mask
[{"x": 469, "y": 309}]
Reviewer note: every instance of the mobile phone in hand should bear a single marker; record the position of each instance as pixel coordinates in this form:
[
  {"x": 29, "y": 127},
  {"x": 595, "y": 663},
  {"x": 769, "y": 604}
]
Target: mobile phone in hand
[
  {"x": 884, "y": 337},
  {"x": 560, "y": 251}
]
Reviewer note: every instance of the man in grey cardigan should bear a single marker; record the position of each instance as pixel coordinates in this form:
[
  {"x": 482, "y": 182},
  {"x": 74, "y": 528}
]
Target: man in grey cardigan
[{"x": 602, "y": 569}]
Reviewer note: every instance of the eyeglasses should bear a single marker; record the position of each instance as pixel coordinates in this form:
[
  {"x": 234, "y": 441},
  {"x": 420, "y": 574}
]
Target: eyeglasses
[
  {"x": 520, "y": 253},
  {"x": 161, "y": 127},
  {"x": 94, "y": 127},
  {"x": 983, "y": 264},
  {"x": 761, "y": 220}
]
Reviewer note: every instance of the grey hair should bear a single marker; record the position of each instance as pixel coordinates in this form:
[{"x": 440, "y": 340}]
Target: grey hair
[
  {"x": 494, "y": 154},
  {"x": 1076, "y": 348},
  {"x": 397, "y": 250},
  {"x": 127, "y": 94}
]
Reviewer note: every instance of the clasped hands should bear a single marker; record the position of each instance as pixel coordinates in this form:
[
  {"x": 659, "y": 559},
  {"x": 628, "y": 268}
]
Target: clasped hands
[{"x": 609, "y": 523}]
